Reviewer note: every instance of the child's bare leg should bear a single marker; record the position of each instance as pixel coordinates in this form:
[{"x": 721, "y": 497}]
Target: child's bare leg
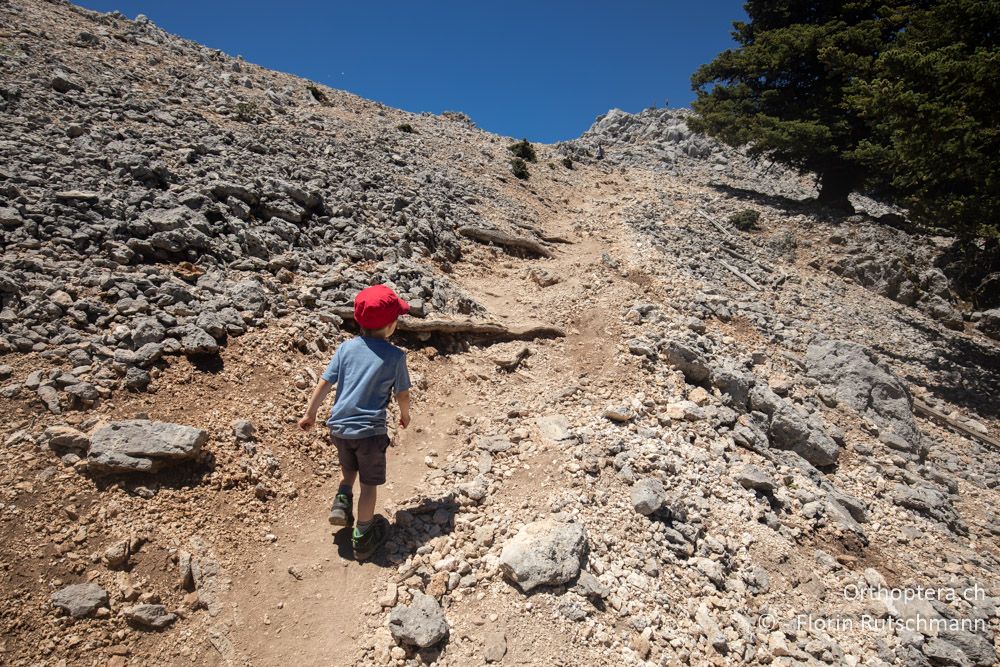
[
  {"x": 366, "y": 503},
  {"x": 347, "y": 481}
]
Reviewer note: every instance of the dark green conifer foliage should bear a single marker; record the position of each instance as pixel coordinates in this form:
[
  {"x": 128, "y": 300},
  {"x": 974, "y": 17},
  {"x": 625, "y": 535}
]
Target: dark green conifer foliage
[
  {"x": 783, "y": 91},
  {"x": 934, "y": 104}
]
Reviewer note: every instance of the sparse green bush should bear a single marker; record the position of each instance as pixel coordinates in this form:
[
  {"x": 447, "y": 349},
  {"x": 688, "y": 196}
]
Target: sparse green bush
[
  {"x": 519, "y": 168},
  {"x": 523, "y": 150},
  {"x": 567, "y": 162},
  {"x": 406, "y": 127},
  {"x": 745, "y": 220},
  {"x": 317, "y": 94},
  {"x": 246, "y": 111}
]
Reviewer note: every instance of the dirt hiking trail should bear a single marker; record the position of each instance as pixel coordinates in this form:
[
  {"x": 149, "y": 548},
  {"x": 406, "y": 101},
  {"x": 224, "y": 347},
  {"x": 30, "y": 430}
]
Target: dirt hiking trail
[{"x": 321, "y": 613}]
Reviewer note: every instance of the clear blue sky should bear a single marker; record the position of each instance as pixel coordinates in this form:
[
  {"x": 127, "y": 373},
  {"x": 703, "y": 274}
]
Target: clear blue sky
[{"x": 540, "y": 69}]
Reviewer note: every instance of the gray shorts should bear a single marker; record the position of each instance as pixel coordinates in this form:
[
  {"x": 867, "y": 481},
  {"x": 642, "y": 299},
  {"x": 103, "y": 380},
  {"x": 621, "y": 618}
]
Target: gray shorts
[{"x": 366, "y": 456}]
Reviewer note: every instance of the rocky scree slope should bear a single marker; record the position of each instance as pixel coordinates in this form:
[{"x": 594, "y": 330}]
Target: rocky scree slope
[
  {"x": 725, "y": 439},
  {"x": 912, "y": 270}
]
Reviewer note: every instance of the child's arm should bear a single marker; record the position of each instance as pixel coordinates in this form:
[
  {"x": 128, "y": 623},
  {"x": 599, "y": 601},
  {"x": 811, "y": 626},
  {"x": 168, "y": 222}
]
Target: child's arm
[
  {"x": 403, "y": 398},
  {"x": 318, "y": 396}
]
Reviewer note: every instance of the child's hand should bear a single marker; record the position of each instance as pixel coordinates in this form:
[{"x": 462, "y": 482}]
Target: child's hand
[
  {"x": 307, "y": 422},
  {"x": 404, "y": 420}
]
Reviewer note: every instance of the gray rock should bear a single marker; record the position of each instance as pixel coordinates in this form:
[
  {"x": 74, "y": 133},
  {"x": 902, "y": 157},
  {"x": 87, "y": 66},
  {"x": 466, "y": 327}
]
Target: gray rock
[
  {"x": 806, "y": 437},
  {"x": 149, "y": 616},
  {"x": 867, "y": 386},
  {"x": 142, "y": 446},
  {"x": 195, "y": 340},
  {"x": 544, "y": 553},
  {"x": 929, "y": 502},
  {"x": 420, "y": 624},
  {"x": 648, "y": 495},
  {"x": 590, "y": 586},
  {"x": 752, "y": 477},
  {"x": 978, "y": 649},
  {"x": 689, "y": 362},
  {"x": 79, "y": 600},
  {"x": 147, "y": 330},
  {"x": 66, "y": 438},
  {"x": 941, "y": 652},
  {"x": 50, "y": 397},
  {"x": 244, "y": 430}
]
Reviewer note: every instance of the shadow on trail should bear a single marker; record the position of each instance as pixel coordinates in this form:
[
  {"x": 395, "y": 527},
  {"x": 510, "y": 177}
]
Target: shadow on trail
[
  {"x": 775, "y": 201},
  {"x": 416, "y": 522}
]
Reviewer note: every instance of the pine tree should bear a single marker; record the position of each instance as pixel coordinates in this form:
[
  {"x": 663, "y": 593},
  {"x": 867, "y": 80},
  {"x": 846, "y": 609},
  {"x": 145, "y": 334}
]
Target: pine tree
[
  {"x": 934, "y": 104},
  {"x": 783, "y": 91}
]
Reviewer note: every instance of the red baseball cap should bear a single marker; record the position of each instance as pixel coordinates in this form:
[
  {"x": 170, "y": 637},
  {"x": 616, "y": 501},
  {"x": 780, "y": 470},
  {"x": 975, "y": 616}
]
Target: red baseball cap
[{"x": 378, "y": 306}]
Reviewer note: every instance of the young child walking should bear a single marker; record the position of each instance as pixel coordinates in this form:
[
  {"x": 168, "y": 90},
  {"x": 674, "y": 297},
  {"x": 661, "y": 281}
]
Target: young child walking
[{"x": 367, "y": 372}]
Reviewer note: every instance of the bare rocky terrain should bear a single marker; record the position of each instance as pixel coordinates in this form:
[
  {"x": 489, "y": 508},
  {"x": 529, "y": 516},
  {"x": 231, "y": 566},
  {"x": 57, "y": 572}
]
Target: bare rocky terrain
[{"x": 641, "y": 434}]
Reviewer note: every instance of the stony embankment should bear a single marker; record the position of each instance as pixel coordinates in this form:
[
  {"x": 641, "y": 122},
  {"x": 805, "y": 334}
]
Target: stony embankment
[{"x": 763, "y": 444}]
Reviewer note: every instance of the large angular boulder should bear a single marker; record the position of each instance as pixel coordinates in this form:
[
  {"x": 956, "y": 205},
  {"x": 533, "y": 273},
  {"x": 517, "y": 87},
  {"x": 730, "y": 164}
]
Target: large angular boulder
[
  {"x": 420, "y": 624},
  {"x": 789, "y": 429},
  {"x": 861, "y": 382},
  {"x": 544, "y": 553},
  {"x": 142, "y": 446},
  {"x": 79, "y": 600},
  {"x": 806, "y": 437},
  {"x": 248, "y": 296},
  {"x": 687, "y": 361}
]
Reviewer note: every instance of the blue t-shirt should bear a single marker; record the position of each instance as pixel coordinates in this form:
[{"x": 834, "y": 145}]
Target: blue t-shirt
[{"x": 367, "y": 372}]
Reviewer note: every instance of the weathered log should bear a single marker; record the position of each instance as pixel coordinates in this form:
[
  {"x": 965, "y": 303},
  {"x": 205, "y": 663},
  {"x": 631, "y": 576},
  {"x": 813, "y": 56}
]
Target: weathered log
[
  {"x": 484, "y": 235},
  {"x": 466, "y": 327},
  {"x": 925, "y": 410},
  {"x": 714, "y": 222},
  {"x": 548, "y": 238},
  {"x": 739, "y": 274}
]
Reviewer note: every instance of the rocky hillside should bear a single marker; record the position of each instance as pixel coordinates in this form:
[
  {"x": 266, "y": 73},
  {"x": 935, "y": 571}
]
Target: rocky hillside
[{"x": 667, "y": 411}]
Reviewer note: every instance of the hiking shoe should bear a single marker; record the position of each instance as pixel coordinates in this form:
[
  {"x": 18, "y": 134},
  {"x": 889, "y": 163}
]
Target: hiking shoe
[
  {"x": 376, "y": 535},
  {"x": 342, "y": 512}
]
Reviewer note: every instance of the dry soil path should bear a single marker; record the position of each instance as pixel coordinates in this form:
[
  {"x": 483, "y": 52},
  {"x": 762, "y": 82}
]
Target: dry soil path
[{"x": 306, "y": 600}]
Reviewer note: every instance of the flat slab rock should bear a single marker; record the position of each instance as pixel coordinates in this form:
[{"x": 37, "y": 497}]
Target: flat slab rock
[
  {"x": 151, "y": 616},
  {"x": 142, "y": 446},
  {"x": 544, "y": 553},
  {"x": 420, "y": 624},
  {"x": 79, "y": 600}
]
